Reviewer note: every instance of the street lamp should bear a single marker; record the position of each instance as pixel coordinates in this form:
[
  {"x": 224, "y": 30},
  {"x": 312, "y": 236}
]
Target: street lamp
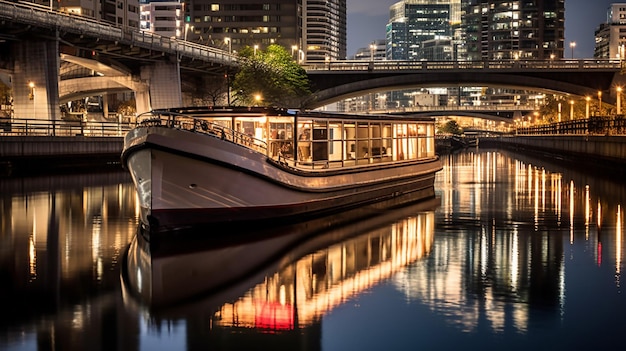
[
  {"x": 572, "y": 45},
  {"x": 257, "y": 99},
  {"x": 619, "y": 100},
  {"x": 228, "y": 41},
  {"x": 571, "y": 110},
  {"x": 587, "y": 99},
  {"x": 31, "y": 95},
  {"x": 599, "y": 102},
  {"x": 187, "y": 28}
]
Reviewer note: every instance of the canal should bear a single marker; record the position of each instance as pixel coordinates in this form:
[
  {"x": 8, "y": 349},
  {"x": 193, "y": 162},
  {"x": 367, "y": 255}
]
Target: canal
[{"x": 514, "y": 253}]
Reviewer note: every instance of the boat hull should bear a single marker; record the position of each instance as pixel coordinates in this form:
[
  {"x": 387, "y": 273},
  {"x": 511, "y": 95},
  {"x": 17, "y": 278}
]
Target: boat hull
[{"x": 205, "y": 180}]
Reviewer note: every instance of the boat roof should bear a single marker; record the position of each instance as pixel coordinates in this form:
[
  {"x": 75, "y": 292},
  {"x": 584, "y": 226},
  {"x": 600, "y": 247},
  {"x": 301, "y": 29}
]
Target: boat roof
[{"x": 275, "y": 111}]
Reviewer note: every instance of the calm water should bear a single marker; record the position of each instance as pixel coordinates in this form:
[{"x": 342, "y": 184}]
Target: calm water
[{"x": 514, "y": 254}]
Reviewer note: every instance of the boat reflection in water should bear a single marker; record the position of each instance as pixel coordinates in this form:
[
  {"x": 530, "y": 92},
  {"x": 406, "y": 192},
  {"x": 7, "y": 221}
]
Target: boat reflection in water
[{"x": 284, "y": 282}]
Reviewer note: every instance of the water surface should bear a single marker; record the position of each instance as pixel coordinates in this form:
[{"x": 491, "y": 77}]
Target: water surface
[{"x": 514, "y": 253}]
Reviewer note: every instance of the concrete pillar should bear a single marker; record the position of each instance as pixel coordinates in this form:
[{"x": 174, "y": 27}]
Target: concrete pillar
[
  {"x": 163, "y": 80},
  {"x": 105, "y": 105},
  {"x": 142, "y": 101},
  {"x": 35, "y": 79}
]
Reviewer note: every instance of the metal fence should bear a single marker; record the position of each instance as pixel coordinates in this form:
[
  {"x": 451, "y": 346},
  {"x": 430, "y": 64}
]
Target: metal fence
[
  {"x": 593, "y": 125},
  {"x": 37, "y": 127}
]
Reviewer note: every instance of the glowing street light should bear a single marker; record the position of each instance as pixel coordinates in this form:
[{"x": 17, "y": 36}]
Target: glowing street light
[
  {"x": 619, "y": 100},
  {"x": 587, "y": 99},
  {"x": 228, "y": 41},
  {"x": 257, "y": 98},
  {"x": 599, "y": 102},
  {"x": 572, "y": 45},
  {"x": 187, "y": 28},
  {"x": 31, "y": 95}
]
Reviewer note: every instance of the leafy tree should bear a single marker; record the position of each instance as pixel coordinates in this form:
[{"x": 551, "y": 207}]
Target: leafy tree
[
  {"x": 450, "y": 127},
  {"x": 269, "y": 78}
]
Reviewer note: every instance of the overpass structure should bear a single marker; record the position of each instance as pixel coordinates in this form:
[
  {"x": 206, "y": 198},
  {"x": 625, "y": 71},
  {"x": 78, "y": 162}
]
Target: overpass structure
[
  {"x": 54, "y": 57},
  {"x": 337, "y": 80}
]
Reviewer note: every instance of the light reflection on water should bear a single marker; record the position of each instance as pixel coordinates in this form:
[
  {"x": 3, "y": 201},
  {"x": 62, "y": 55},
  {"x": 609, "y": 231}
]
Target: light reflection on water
[{"x": 514, "y": 253}]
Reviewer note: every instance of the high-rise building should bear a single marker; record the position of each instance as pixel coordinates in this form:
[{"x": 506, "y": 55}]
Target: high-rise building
[
  {"x": 611, "y": 36},
  {"x": 233, "y": 24},
  {"x": 163, "y": 17},
  {"x": 413, "y": 22},
  {"x": 324, "y": 30},
  {"x": 123, "y": 13},
  {"x": 314, "y": 30},
  {"x": 514, "y": 29}
]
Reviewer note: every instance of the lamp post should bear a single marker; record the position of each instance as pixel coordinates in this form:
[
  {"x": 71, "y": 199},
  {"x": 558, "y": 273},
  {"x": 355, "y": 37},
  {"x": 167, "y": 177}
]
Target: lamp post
[
  {"x": 228, "y": 41},
  {"x": 587, "y": 99},
  {"x": 571, "y": 110},
  {"x": 619, "y": 100},
  {"x": 599, "y": 102},
  {"x": 187, "y": 28},
  {"x": 572, "y": 45},
  {"x": 31, "y": 95}
]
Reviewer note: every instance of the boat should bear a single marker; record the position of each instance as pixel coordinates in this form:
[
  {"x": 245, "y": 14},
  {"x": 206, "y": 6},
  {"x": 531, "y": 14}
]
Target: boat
[{"x": 247, "y": 165}]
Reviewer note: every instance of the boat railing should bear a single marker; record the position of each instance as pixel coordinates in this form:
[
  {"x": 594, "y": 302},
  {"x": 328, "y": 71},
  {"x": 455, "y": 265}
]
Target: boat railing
[{"x": 201, "y": 125}]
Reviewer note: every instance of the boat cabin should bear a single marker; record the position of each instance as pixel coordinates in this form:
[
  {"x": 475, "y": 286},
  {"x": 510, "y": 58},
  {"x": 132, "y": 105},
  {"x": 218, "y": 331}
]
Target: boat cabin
[{"x": 314, "y": 139}]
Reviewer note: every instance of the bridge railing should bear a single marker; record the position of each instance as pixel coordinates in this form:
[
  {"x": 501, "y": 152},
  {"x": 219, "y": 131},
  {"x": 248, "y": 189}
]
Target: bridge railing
[
  {"x": 41, "y": 16},
  {"x": 472, "y": 108},
  {"x": 593, "y": 125},
  {"x": 395, "y": 65},
  {"x": 36, "y": 127}
]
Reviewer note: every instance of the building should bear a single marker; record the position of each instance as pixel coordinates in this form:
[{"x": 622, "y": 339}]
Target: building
[
  {"x": 124, "y": 13},
  {"x": 611, "y": 36},
  {"x": 233, "y": 24},
  {"x": 510, "y": 29},
  {"x": 377, "y": 50},
  {"x": 163, "y": 18},
  {"x": 324, "y": 30},
  {"x": 314, "y": 30},
  {"x": 413, "y": 22}
]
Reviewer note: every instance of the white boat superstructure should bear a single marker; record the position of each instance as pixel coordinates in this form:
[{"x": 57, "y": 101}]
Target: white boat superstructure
[{"x": 203, "y": 166}]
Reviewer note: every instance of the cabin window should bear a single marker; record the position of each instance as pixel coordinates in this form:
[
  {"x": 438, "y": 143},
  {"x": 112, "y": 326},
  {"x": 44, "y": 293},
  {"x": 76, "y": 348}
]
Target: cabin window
[
  {"x": 319, "y": 145},
  {"x": 349, "y": 131}
]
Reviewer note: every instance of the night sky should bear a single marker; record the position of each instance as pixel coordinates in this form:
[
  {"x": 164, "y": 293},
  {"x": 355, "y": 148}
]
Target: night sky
[{"x": 367, "y": 20}]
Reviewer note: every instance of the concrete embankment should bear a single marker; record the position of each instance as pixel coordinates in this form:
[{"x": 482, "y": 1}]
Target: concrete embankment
[
  {"x": 603, "y": 153},
  {"x": 37, "y": 155}
]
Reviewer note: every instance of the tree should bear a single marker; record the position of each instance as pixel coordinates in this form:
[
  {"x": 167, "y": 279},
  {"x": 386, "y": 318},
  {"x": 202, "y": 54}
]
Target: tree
[
  {"x": 270, "y": 78},
  {"x": 450, "y": 127}
]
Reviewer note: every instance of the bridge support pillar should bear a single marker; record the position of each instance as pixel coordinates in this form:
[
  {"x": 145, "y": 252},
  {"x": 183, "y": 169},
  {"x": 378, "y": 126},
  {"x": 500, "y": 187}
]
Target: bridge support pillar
[
  {"x": 163, "y": 80},
  {"x": 35, "y": 80}
]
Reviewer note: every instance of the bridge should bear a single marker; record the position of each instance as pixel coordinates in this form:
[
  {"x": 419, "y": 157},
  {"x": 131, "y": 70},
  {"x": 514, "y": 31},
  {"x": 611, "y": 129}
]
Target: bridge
[{"x": 337, "y": 80}]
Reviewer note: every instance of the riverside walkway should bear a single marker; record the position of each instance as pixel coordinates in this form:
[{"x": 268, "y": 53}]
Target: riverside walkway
[
  {"x": 36, "y": 146},
  {"x": 598, "y": 143}
]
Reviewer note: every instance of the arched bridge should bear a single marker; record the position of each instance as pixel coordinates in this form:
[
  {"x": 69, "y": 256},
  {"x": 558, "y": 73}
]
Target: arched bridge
[{"x": 337, "y": 80}]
